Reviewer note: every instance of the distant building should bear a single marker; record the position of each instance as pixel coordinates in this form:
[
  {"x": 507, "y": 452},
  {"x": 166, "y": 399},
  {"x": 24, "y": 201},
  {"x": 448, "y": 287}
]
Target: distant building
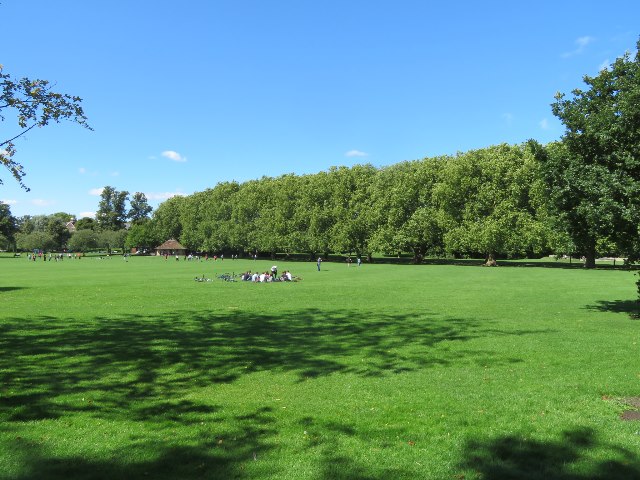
[
  {"x": 171, "y": 247},
  {"x": 71, "y": 226}
]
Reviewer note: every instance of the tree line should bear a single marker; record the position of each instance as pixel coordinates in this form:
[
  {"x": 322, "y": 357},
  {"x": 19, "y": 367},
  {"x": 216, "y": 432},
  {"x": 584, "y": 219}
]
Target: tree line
[
  {"x": 580, "y": 195},
  {"x": 488, "y": 201},
  {"x": 61, "y": 231}
]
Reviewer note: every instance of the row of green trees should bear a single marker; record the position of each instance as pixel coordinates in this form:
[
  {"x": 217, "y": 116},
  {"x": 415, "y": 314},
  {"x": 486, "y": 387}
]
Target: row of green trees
[
  {"x": 490, "y": 201},
  {"x": 580, "y": 195}
]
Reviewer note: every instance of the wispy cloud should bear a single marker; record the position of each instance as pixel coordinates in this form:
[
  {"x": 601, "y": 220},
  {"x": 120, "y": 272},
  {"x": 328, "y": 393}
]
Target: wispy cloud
[
  {"x": 163, "y": 195},
  {"x": 84, "y": 171},
  {"x": 356, "y": 153},
  {"x": 604, "y": 65},
  {"x": 87, "y": 214},
  {"x": 9, "y": 202},
  {"x": 581, "y": 44},
  {"x": 544, "y": 124},
  {"x": 39, "y": 202},
  {"x": 96, "y": 191},
  {"x": 508, "y": 117},
  {"x": 175, "y": 156}
]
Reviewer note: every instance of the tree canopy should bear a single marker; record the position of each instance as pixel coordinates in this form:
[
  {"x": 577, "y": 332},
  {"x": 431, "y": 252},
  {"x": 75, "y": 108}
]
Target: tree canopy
[
  {"x": 34, "y": 104},
  {"x": 593, "y": 175}
]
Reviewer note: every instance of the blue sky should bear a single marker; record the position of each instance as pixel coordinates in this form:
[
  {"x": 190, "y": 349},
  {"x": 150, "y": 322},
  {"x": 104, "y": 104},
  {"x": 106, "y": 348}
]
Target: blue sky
[{"x": 183, "y": 95}]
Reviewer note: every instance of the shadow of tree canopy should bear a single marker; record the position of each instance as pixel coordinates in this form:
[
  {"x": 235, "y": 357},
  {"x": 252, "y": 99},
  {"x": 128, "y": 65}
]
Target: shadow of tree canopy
[
  {"x": 115, "y": 362},
  {"x": 204, "y": 456},
  {"x": 238, "y": 454},
  {"x": 630, "y": 307},
  {"x": 513, "y": 457},
  {"x": 10, "y": 289},
  {"x": 138, "y": 369}
]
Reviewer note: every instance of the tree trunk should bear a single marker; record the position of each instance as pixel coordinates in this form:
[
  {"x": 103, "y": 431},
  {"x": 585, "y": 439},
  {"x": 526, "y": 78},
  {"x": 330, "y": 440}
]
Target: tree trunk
[
  {"x": 590, "y": 259},
  {"x": 491, "y": 261}
]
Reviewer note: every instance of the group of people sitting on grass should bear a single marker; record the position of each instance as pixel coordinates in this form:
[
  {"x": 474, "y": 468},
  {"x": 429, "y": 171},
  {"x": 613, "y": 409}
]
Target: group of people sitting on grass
[{"x": 271, "y": 276}]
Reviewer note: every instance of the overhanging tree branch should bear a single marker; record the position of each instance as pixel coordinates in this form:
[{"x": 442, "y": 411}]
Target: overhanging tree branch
[{"x": 35, "y": 105}]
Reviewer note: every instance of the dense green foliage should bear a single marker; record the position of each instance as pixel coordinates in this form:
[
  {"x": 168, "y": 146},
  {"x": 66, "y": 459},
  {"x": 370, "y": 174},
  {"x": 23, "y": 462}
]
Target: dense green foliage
[
  {"x": 488, "y": 202},
  {"x": 114, "y": 369},
  {"x": 594, "y": 174},
  {"x": 112, "y": 209},
  {"x": 8, "y": 226}
]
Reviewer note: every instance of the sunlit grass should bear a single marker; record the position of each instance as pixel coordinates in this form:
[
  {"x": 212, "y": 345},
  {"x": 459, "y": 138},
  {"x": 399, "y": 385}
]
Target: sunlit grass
[{"x": 114, "y": 369}]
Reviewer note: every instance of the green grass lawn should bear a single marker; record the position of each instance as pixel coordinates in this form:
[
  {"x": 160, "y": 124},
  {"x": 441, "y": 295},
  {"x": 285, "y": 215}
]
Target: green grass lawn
[{"x": 113, "y": 369}]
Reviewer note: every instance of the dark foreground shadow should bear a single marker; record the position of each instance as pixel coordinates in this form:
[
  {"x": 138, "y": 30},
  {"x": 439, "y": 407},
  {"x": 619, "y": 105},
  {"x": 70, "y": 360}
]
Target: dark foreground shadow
[
  {"x": 117, "y": 362},
  {"x": 516, "y": 458},
  {"x": 630, "y": 307},
  {"x": 140, "y": 370},
  {"x": 10, "y": 289}
]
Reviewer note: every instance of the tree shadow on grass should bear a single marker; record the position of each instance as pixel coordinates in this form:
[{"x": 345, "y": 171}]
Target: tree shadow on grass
[
  {"x": 630, "y": 307},
  {"x": 513, "y": 457},
  {"x": 10, "y": 289},
  {"x": 142, "y": 369},
  {"x": 246, "y": 450},
  {"x": 113, "y": 366},
  {"x": 204, "y": 456}
]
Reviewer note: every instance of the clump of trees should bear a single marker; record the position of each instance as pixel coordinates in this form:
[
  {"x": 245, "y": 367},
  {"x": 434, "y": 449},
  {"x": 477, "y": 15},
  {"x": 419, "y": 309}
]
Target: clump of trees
[
  {"x": 487, "y": 202},
  {"x": 60, "y": 231}
]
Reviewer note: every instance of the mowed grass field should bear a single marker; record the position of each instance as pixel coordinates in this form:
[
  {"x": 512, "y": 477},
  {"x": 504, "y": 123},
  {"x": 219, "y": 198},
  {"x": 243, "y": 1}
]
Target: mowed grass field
[{"x": 113, "y": 369}]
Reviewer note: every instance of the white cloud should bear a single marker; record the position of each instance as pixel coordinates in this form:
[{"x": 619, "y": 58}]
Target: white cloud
[
  {"x": 164, "y": 195},
  {"x": 115, "y": 174},
  {"x": 356, "y": 153},
  {"x": 604, "y": 65},
  {"x": 39, "y": 202},
  {"x": 582, "y": 43},
  {"x": 9, "y": 202},
  {"x": 508, "y": 117},
  {"x": 82, "y": 170},
  {"x": 175, "y": 156},
  {"x": 87, "y": 214},
  {"x": 96, "y": 191},
  {"x": 544, "y": 124}
]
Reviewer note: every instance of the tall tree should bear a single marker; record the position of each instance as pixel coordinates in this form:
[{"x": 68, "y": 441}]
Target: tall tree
[
  {"x": 142, "y": 236},
  {"x": 34, "y": 104},
  {"x": 8, "y": 223},
  {"x": 83, "y": 241},
  {"x": 167, "y": 218},
  {"x": 593, "y": 176},
  {"x": 112, "y": 239},
  {"x": 58, "y": 230},
  {"x": 139, "y": 208},
  {"x": 401, "y": 208},
  {"x": 112, "y": 213},
  {"x": 85, "y": 223},
  {"x": 489, "y": 201}
]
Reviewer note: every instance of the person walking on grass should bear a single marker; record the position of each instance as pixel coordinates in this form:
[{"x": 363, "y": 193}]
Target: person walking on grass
[{"x": 319, "y": 262}]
